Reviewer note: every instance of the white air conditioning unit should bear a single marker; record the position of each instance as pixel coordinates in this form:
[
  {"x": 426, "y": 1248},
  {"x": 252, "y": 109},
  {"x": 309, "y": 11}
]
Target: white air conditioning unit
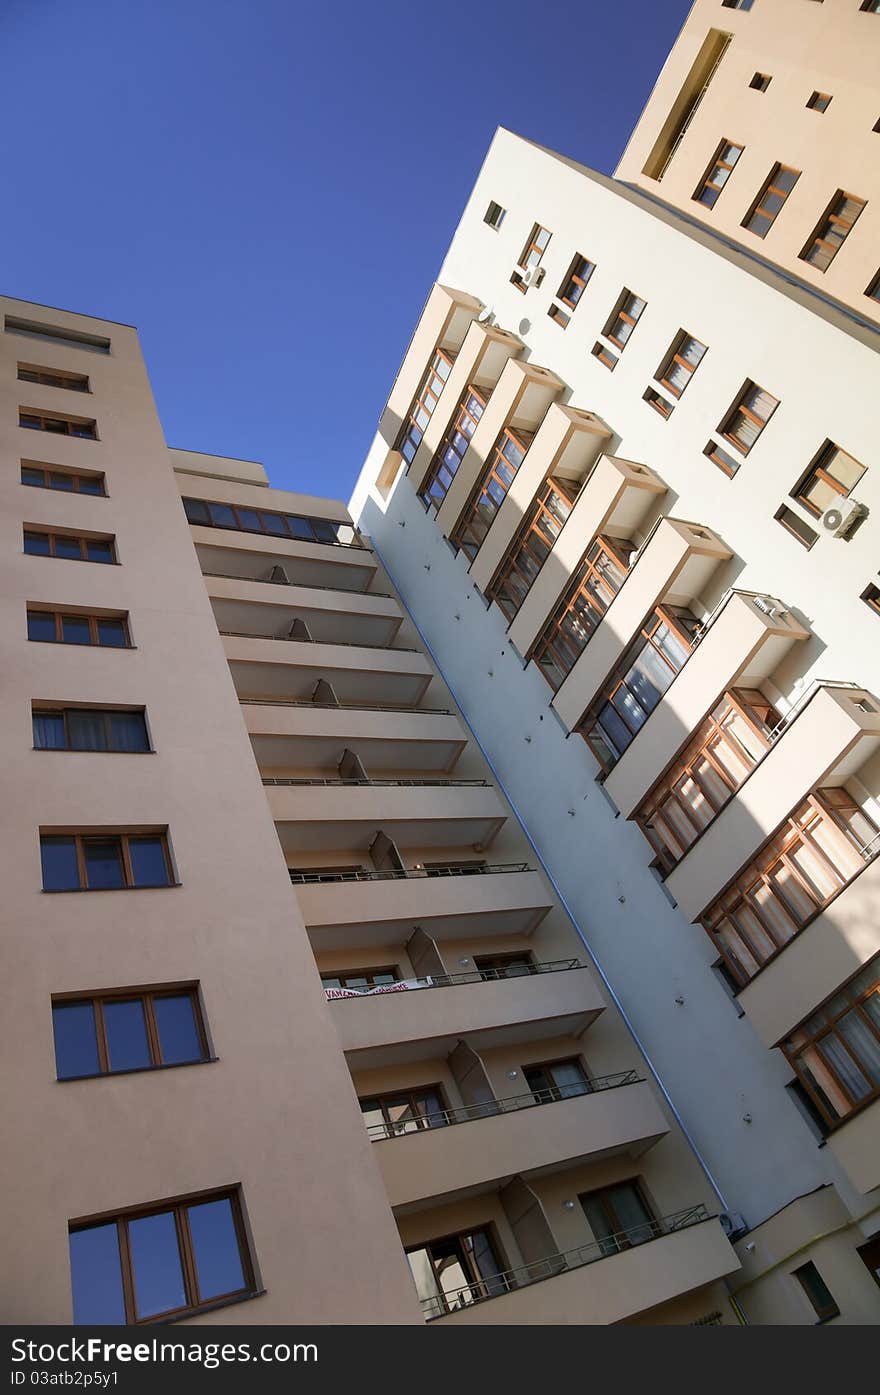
[
  {"x": 841, "y": 520},
  {"x": 531, "y": 275},
  {"x": 733, "y": 1224},
  {"x": 486, "y": 315}
]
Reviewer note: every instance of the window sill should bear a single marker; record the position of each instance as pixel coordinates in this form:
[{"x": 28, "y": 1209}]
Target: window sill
[
  {"x": 48, "y": 555},
  {"x": 134, "y": 1070},
  {"x": 73, "y": 890},
  {"x": 84, "y": 751},
  {"x": 210, "y": 1307}
]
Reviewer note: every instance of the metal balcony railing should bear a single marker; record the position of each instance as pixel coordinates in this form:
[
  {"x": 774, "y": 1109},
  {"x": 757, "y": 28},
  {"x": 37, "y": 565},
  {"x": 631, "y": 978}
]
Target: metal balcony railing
[
  {"x": 389, "y": 874},
  {"x": 336, "y": 643},
  {"x": 465, "y": 784},
  {"x": 487, "y": 975},
  {"x": 496, "y": 1285},
  {"x": 553, "y": 1094},
  {"x": 306, "y": 585},
  {"x": 342, "y": 707}
]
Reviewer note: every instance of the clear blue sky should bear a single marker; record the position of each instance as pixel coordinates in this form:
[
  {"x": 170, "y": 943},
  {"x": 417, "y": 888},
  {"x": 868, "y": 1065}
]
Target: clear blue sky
[{"x": 240, "y": 180}]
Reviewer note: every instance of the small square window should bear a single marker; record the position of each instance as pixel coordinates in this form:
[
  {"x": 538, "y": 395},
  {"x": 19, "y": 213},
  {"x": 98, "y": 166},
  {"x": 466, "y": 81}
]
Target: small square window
[
  {"x": 795, "y": 525},
  {"x": 604, "y": 355},
  {"x": 873, "y": 290},
  {"x": 871, "y": 597},
  {"x": 494, "y": 215},
  {"x": 761, "y": 81},
  {"x": 658, "y": 402},
  {"x": 817, "y": 1291},
  {"x": 820, "y": 101}
]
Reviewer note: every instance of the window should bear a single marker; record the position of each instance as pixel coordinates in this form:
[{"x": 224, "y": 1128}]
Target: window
[
  {"x": 815, "y": 1288},
  {"x": 70, "y": 546},
  {"x": 531, "y": 256},
  {"x": 456, "y": 1271},
  {"x": 835, "y": 1053},
  {"x": 164, "y": 1261},
  {"x": 557, "y": 1080},
  {"x": 658, "y": 402},
  {"x": 59, "y": 426},
  {"x": 815, "y": 854},
  {"x": 820, "y": 101},
  {"x": 873, "y": 290},
  {"x": 763, "y": 213},
  {"x": 619, "y": 1217},
  {"x": 52, "y": 377},
  {"x": 571, "y": 290},
  {"x": 871, "y": 597},
  {"x": 724, "y": 751},
  {"x": 624, "y": 319},
  {"x": 832, "y": 476},
  {"x": 589, "y": 594},
  {"x": 638, "y": 683},
  {"x": 680, "y": 364},
  {"x": 871, "y": 7},
  {"x": 494, "y": 966},
  {"x": 105, "y": 861},
  {"x": 128, "y": 1030},
  {"x": 360, "y": 980},
  {"x": 405, "y": 1111},
  {"x": 536, "y": 539},
  {"x": 737, "y": 4},
  {"x": 869, "y": 1254},
  {"x": 743, "y": 424},
  {"x": 795, "y": 525},
  {"x": 73, "y": 627},
  {"x": 450, "y": 453},
  {"x": 424, "y": 402},
  {"x": 277, "y": 525},
  {"x": 54, "y": 334},
  {"x": 89, "y": 729},
  {"x": 495, "y": 215},
  {"x": 604, "y": 355},
  {"x": 718, "y": 173},
  {"x": 832, "y": 230},
  {"x": 56, "y": 477},
  {"x": 505, "y": 459},
  {"x": 761, "y": 81}
]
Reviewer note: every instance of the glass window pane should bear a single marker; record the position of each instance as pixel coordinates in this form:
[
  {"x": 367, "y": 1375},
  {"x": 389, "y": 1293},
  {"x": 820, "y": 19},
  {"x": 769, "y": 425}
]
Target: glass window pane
[
  {"x": 222, "y": 516},
  {"x": 99, "y": 551},
  {"x": 76, "y": 1040},
  {"x": 249, "y": 518},
  {"x": 29, "y": 476},
  {"x": 274, "y": 523},
  {"x": 40, "y": 625},
  {"x": 58, "y": 857},
  {"x": 86, "y": 730},
  {"x": 91, "y": 484},
  {"x": 196, "y": 511},
  {"x": 126, "y": 1027},
  {"x": 155, "y": 1258},
  {"x": 300, "y": 527},
  {"x": 178, "y": 1033},
  {"x": 111, "y": 634},
  {"x": 48, "y": 731},
  {"x": 215, "y": 1245},
  {"x": 96, "y": 1276},
  {"x": 148, "y": 866},
  {"x": 75, "y": 629},
  {"x": 128, "y": 731},
  {"x": 68, "y": 547},
  {"x": 61, "y": 481},
  {"x": 103, "y": 863},
  {"x": 37, "y": 544}
]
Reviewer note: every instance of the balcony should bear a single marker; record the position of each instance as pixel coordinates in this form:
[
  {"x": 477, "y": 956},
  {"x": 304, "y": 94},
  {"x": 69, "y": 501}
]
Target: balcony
[
  {"x": 345, "y": 815},
  {"x": 289, "y": 668},
  {"x": 444, "y": 324},
  {"x": 823, "y": 744},
  {"x": 345, "y": 566},
  {"x": 601, "y": 1283},
  {"x": 526, "y": 1134},
  {"x": 369, "y": 908},
  {"x": 305, "y": 735},
  {"x": 261, "y": 607},
  {"x": 671, "y": 569},
  {"x": 566, "y": 445},
  {"x": 399, "y": 1026},
  {"x": 741, "y": 646},
  {"x": 615, "y": 500}
]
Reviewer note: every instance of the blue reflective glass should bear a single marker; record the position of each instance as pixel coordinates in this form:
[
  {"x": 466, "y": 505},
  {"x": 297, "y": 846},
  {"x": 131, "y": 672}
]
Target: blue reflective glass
[
  {"x": 96, "y": 1275},
  {"x": 40, "y": 625},
  {"x": 126, "y": 1028},
  {"x": 178, "y": 1032},
  {"x": 103, "y": 863},
  {"x": 148, "y": 866},
  {"x": 48, "y": 731},
  {"x": 215, "y": 1245},
  {"x": 58, "y": 856},
  {"x": 76, "y": 1041},
  {"x": 75, "y": 629},
  {"x": 155, "y": 1259},
  {"x": 37, "y": 544}
]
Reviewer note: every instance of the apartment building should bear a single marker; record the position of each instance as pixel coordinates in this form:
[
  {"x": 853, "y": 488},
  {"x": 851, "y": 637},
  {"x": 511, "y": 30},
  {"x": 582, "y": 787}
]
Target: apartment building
[
  {"x": 631, "y": 506},
  {"x": 298, "y": 1029},
  {"x": 764, "y": 124}
]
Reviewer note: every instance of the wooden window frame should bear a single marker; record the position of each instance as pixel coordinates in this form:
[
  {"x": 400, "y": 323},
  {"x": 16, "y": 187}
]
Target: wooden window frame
[
  {"x": 575, "y": 280},
  {"x": 770, "y": 187},
  {"x": 368, "y": 974},
  {"x": 553, "y": 1092},
  {"x": 871, "y": 597},
  {"x": 492, "y": 966},
  {"x": 714, "y": 728},
  {"x": 605, "y": 356},
  {"x": 178, "y": 1206},
  {"x": 817, "y": 471},
  {"x": 627, "y": 317},
  {"x": 50, "y": 710},
  {"x": 541, "y": 513},
  {"x": 419, "y": 403},
  {"x": 466, "y": 532},
  {"x": 658, "y": 402},
  {"x": 602, "y": 550},
  {"x": 603, "y": 1196},
  {"x": 804, "y": 1275},
  {"x": 819, "y": 235},
  {"x": 76, "y": 478},
  {"x": 53, "y": 377},
  {"x": 796, "y": 831},
  {"x": 462, "y": 418},
  {"x": 494, "y": 215},
  {"x": 795, "y": 1045},
  {"x": 872, "y": 290},
  {"x": 34, "y": 419},
  {"x": 739, "y": 408},
  {"x": 819, "y": 101},
  {"x": 147, "y": 997},
  {"x": 123, "y": 837},
  {"x": 761, "y": 81},
  {"x": 415, "y": 1122},
  {"x": 674, "y": 356},
  {"x": 714, "y": 164},
  {"x": 531, "y": 249},
  {"x": 262, "y": 514},
  {"x": 94, "y": 640},
  {"x": 796, "y": 526},
  {"x": 82, "y": 539}
]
